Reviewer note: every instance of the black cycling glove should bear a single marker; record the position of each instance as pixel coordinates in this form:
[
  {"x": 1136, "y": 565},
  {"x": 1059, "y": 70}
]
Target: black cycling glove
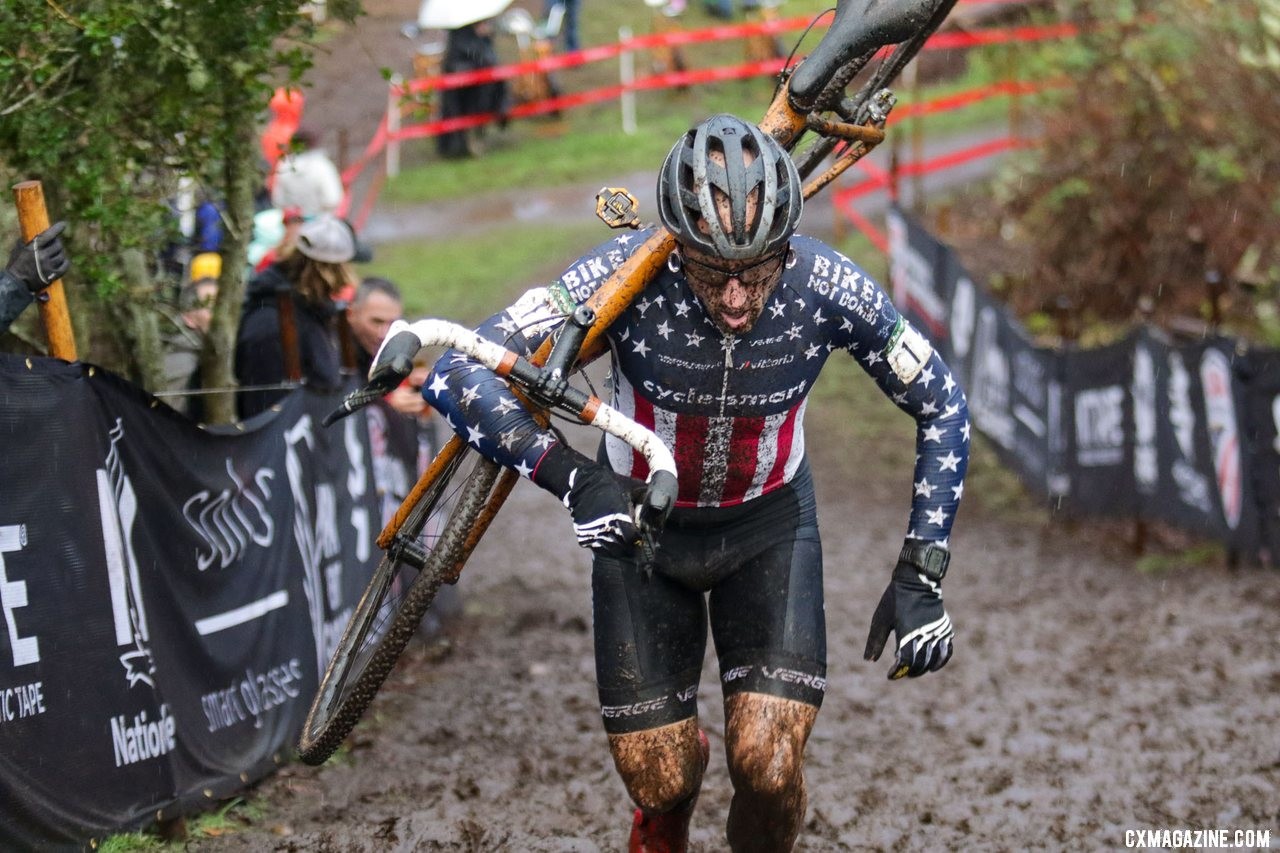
[
  {"x": 912, "y": 608},
  {"x": 596, "y": 498},
  {"x": 41, "y": 262}
]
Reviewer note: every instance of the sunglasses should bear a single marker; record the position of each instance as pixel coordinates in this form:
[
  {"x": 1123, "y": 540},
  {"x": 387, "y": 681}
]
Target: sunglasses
[{"x": 751, "y": 275}]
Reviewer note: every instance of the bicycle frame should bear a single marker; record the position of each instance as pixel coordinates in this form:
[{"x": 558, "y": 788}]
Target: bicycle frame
[{"x": 842, "y": 53}]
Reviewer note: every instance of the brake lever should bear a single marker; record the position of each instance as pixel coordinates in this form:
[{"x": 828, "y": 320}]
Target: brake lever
[
  {"x": 386, "y": 378},
  {"x": 352, "y": 403},
  {"x": 651, "y": 513}
]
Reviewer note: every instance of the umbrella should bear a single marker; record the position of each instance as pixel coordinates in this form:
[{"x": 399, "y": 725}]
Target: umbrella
[{"x": 452, "y": 14}]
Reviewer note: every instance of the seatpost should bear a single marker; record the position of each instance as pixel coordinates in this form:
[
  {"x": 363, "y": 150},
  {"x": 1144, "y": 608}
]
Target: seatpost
[{"x": 554, "y": 381}]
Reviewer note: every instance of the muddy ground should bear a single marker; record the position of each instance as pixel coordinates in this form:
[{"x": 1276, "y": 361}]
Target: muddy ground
[{"x": 1085, "y": 697}]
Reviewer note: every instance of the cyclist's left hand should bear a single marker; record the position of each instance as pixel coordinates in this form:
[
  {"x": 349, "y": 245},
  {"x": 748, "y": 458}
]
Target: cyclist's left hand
[
  {"x": 601, "y": 509},
  {"x": 912, "y": 608}
]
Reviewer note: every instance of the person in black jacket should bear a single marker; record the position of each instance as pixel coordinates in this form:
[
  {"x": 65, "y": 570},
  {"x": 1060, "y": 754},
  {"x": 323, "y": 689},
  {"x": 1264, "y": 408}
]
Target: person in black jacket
[
  {"x": 305, "y": 281},
  {"x": 469, "y": 48}
]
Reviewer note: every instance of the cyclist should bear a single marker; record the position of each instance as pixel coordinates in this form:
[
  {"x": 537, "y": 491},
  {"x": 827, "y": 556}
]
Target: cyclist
[{"x": 717, "y": 356}]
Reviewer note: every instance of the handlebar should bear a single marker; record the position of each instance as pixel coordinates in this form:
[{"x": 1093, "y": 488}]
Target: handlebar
[{"x": 548, "y": 386}]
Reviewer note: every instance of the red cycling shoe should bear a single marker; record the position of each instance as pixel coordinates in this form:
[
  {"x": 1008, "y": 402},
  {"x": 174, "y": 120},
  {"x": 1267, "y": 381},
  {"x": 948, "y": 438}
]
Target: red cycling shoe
[{"x": 667, "y": 832}]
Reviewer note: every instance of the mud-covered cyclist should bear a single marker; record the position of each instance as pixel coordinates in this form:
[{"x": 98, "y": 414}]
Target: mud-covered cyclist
[{"x": 718, "y": 355}]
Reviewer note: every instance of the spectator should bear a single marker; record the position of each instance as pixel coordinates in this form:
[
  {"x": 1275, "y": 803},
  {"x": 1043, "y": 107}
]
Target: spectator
[
  {"x": 724, "y": 8},
  {"x": 32, "y": 267},
  {"x": 568, "y": 21},
  {"x": 304, "y": 281},
  {"x": 376, "y": 305},
  {"x": 469, "y": 48},
  {"x": 286, "y": 114},
  {"x": 307, "y": 179},
  {"x": 185, "y": 343},
  {"x": 274, "y": 231}
]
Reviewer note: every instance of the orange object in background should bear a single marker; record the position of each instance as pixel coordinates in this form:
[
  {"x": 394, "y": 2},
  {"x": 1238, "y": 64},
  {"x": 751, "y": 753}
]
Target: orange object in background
[{"x": 286, "y": 114}]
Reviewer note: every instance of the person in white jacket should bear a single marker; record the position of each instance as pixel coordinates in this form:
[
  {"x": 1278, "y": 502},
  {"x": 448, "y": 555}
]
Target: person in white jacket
[{"x": 307, "y": 179}]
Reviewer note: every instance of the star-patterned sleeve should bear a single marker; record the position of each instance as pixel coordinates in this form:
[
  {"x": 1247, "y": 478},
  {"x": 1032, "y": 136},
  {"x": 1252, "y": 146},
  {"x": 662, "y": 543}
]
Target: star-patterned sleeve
[
  {"x": 478, "y": 404},
  {"x": 911, "y": 373}
]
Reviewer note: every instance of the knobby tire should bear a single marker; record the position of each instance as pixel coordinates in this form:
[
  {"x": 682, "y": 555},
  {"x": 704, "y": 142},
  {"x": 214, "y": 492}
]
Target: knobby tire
[{"x": 351, "y": 680}]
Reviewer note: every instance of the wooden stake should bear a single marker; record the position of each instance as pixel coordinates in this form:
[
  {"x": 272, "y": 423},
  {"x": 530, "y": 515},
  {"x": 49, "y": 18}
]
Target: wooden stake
[{"x": 34, "y": 219}]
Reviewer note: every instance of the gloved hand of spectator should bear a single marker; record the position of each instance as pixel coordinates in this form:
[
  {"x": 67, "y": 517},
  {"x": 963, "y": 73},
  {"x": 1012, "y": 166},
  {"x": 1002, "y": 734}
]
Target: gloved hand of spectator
[
  {"x": 597, "y": 499},
  {"x": 912, "y": 608},
  {"x": 41, "y": 262}
]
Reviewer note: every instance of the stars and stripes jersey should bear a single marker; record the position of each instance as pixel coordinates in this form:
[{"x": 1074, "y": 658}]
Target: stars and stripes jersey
[{"x": 730, "y": 408}]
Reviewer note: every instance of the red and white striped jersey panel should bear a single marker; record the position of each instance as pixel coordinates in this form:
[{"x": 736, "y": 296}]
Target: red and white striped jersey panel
[{"x": 720, "y": 461}]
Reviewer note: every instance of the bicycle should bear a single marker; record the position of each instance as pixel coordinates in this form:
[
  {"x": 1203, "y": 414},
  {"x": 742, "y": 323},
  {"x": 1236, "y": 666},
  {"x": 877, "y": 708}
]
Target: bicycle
[{"x": 467, "y": 490}]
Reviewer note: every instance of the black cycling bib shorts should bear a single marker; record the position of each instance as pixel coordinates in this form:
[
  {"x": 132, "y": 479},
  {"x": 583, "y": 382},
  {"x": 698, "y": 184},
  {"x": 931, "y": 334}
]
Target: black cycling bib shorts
[{"x": 755, "y": 569}]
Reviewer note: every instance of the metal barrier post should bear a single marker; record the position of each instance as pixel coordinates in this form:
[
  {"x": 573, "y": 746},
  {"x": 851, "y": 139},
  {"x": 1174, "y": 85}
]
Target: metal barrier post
[
  {"x": 393, "y": 125},
  {"x": 627, "y": 76}
]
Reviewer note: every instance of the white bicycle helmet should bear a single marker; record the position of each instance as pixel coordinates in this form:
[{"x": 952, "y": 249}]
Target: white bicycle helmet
[{"x": 690, "y": 178}]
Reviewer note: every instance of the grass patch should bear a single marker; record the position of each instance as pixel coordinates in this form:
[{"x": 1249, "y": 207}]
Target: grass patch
[
  {"x": 468, "y": 278},
  {"x": 130, "y": 842},
  {"x": 1197, "y": 556},
  {"x": 224, "y": 820}
]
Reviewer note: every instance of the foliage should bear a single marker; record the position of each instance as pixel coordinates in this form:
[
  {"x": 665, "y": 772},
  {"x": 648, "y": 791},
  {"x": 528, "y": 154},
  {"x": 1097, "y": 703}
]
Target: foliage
[
  {"x": 109, "y": 103},
  {"x": 1157, "y": 169}
]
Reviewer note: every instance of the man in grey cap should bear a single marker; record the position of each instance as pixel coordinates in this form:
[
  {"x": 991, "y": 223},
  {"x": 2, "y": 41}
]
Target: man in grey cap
[{"x": 285, "y": 332}]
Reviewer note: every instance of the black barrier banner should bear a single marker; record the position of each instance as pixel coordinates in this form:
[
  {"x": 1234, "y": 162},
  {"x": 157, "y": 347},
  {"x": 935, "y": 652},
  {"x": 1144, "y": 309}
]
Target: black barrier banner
[
  {"x": 1261, "y": 377},
  {"x": 1099, "y": 446},
  {"x": 1189, "y": 456},
  {"x": 169, "y": 594},
  {"x": 1140, "y": 428}
]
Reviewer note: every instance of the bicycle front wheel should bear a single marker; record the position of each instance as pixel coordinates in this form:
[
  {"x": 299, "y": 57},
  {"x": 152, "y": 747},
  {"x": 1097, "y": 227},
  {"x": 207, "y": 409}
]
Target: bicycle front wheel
[{"x": 441, "y": 529}]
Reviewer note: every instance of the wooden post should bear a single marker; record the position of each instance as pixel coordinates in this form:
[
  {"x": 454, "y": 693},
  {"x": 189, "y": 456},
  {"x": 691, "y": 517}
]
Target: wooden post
[{"x": 34, "y": 218}]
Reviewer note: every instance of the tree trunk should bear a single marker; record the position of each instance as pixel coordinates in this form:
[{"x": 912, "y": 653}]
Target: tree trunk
[
  {"x": 139, "y": 324},
  {"x": 240, "y": 179}
]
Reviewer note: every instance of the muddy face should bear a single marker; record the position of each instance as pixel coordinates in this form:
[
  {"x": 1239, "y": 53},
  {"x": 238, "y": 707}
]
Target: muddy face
[{"x": 733, "y": 292}]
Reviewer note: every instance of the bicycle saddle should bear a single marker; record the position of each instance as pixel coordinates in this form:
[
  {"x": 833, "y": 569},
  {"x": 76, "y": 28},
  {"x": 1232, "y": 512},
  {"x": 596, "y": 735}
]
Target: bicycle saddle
[{"x": 859, "y": 26}]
